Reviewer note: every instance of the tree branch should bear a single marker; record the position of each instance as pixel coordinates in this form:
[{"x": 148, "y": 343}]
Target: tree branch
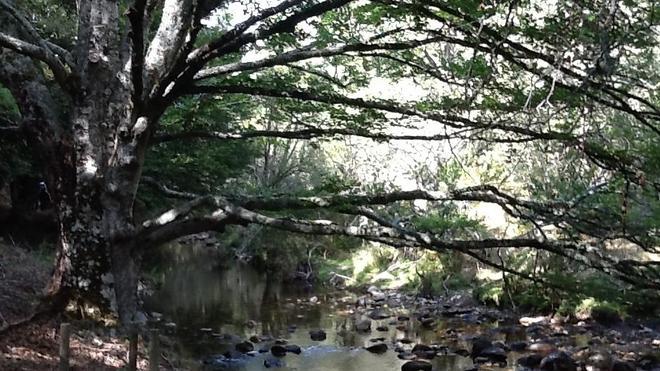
[
  {"x": 39, "y": 48},
  {"x": 296, "y": 134},
  {"x": 136, "y": 16},
  {"x": 454, "y": 121},
  {"x": 303, "y": 54}
]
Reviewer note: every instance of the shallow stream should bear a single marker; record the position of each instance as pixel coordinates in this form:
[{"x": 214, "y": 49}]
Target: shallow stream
[{"x": 207, "y": 310}]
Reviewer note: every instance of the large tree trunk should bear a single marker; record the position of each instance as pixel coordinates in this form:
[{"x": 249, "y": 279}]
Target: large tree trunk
[
  {"x": 90, "y": 132},
  {"x": 92, "y": 155}
]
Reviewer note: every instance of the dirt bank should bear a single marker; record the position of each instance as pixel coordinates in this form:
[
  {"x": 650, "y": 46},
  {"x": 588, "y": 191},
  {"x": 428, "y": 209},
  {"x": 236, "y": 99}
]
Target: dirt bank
[{"x": 23, "y": 275}]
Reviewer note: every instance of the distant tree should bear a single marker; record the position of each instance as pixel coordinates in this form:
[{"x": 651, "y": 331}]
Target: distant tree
[{"x": 93, "y": 80}]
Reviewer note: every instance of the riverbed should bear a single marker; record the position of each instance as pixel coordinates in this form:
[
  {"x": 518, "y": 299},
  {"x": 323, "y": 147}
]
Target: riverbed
[{"x": 207, "y": 308}]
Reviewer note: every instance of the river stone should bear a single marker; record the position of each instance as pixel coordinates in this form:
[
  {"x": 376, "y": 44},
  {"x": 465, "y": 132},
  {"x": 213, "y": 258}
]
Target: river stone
[
  {"x": 421, "y": 348},
  {"x": 480, "y": 344},
  {"x": 500, "y": 344},
  {"x": 380, "y": 313},
  {"x": 495, "y": 354},
  {"x": 245, "y": 347},
  {"x": 382, "y": 328},
  {"x": 543, "y": 348},
  {"x": 619, "y": 365},
  {"x": 518, "y": 346},
  {"x": 429, "y": 354},
  {"x": 605, "y": 316},
  {"x": 377, "y": 348},
  {"x": 528, "y": 321},
  {"x": 273, "y": 362},
  {"x": 278, "y": 350},
  {"x": 406, "y": 356},
  {"x": 375, "y": 340},
  {"x": 428, "y": 323},
  {"x": 461, "y": 352},
  {"x": 254, "y": 339},
  {"x": 291, "y": 348},
  {"x": 403, "y": 318},
  {"x": 363, "y": 325},
  {"x": 600, "y": 360},
  {"x": 530, "y": 361},
  {"x": 317, "y": 335},
  {"x": 558, "y": 361},
  {"x": 416, "y": 366}
]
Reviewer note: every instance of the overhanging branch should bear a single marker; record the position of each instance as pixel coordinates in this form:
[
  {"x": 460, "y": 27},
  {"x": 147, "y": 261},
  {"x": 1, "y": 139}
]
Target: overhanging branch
[
  {"x": 296, "y": 134},
  {"x": 37, "y": 47},
  {"x": 451, "y": 120}
]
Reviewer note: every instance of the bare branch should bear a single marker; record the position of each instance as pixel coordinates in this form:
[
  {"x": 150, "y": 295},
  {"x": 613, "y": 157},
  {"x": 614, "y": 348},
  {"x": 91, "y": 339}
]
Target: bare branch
[
  {"x": 240, "y": 28},
  {"x": 170, "y": 37},
  {"x": 296, "y": 134},
  {"x": 166, "y": 190},
  {"x": 232, "y": 41},
  {"x": 136, "y": 16},
  {"x": 451, "y": 120},
  {"x": 303, "y": 54}
]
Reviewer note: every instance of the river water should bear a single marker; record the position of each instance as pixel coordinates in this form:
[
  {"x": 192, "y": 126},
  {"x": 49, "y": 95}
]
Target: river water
[{"x": 207, "y": 309}]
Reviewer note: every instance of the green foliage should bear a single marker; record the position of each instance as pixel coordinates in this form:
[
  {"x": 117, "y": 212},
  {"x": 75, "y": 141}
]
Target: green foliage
[
  {"x": 446, "y": 221},
  {"x": 15, "y": 156},
  {"x": 53, "y": 19},
  {"x": 205, "y": 165}
]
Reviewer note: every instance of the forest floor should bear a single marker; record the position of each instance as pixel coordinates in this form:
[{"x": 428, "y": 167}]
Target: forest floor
[{"x": 35, "y": 345}]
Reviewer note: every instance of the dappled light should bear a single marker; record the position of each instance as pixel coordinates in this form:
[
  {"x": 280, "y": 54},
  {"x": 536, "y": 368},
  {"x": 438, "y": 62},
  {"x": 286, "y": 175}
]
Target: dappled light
[{"x": 330, "y": 185}]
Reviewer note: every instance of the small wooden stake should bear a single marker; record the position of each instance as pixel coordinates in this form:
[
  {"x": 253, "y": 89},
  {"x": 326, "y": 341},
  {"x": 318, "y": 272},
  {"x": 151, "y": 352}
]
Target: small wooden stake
[
  {"x": 132, "y": 348},
  {"x": 154, "y": 351},
  {"x": 65, "y": 334}
]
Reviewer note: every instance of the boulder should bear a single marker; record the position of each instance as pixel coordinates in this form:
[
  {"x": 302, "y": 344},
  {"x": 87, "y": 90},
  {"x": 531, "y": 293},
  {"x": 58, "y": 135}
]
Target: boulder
[
  {"x": 600, "y": 360},
  {"x": 380, "y": 313},
  {"x": 421, "y": 348},
  {"x": 619, "y": 365},
  {"x": 273, "y": 362},
  {"x": 605, "y": 316},
  {"x": 461, "y": 352},
  {"x": 377, "y": 348},
  {"x": 416, "y": 366},
  {"x": 245, "y": 347},
  {"x": 518, "y": 346},
  {"x": 317, "y": 335},
  {"x": 382, "y": 328},
  {"x": 494, "y": 354},
  {"x": 543, "y": 348},
  {"x": 363, "y": 325},
  {"x": 530, "y": 361},
  {"x": 528, "y": 321},
  {"x": 558, "y": 361},
  {"x": 278, "y": 350},
  {"x": 428, "y": 323},
  {"x": 406, "y": 356},
  {"x": 292, "y": 348},
  {"x": 480, "y": 344}
]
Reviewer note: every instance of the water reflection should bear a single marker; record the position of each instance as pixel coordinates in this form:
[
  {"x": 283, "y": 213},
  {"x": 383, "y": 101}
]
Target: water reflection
[{"x": 214, "y": 308}]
